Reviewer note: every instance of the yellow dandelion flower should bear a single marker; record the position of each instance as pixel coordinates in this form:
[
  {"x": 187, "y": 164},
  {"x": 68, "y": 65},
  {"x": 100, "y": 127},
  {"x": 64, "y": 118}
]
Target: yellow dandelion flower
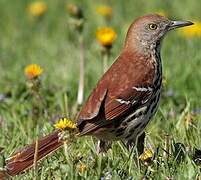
[
  {"x": 32, "y": 71},
  {"x": 104, "y": 10},
  {"x": 192, "y": 31},
  {"x": 162, "y": 13},
  {"x": 106, "y": 36},
  {"x": 146, "y": 155},
  {"x": 37, "y": 8},
  {"x": 82, "y": 168},
  {"x": 64, "y": 124}
]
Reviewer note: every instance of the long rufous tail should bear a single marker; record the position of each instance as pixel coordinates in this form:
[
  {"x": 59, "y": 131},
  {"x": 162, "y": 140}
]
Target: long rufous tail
[{"x": 24, "y": 158}]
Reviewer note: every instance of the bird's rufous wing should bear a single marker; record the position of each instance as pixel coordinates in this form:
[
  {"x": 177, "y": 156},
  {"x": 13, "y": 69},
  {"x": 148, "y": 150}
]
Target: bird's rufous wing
[{"x": 132, "y": 98}]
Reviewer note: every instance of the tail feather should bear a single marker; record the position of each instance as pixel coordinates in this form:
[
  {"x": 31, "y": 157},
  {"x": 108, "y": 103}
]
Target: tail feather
[{"x": 24, "y": 158}]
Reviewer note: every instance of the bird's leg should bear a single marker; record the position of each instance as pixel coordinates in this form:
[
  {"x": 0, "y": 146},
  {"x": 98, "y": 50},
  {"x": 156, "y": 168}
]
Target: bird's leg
[
  {"x": 139, "y": 142},
  {"x": 103, "y": 146}
]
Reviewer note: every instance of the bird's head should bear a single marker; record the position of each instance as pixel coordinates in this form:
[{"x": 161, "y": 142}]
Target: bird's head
[{"x": 150, "y": 29}]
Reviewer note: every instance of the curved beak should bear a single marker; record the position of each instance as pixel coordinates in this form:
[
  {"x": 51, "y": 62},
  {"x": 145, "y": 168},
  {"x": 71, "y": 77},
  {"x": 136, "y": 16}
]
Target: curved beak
[{"x": 178, "y": 24}]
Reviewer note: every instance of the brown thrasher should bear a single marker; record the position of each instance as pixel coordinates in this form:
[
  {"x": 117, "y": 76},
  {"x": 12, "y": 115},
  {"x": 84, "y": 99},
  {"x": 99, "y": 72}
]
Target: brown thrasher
[{"x": 124, "y": 99}]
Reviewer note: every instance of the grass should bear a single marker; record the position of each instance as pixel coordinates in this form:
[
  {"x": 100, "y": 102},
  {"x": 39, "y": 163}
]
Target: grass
[{"x": 52, "y": 43}]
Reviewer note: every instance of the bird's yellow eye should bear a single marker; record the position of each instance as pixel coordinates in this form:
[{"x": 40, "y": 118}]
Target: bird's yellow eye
[{"x": 153, "y": 26}]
